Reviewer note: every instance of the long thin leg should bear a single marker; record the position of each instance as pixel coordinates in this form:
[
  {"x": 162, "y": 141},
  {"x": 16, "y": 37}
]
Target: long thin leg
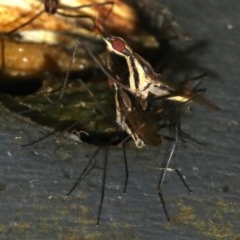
[
  {"x": 162, "y": 176},
  {"x": 103, "y": 184},
  {"x": 126, "y": 168},
  {"x": 3, "y": 55},
  {"x": 105, "y": 71},
  {"x": 25, "y": 23},
  {"x": 183, "y": 179},
  {"x": 86, "y": 170},
  {"x": 39, "y": 139},
  {"x": 68, "y": 72}
]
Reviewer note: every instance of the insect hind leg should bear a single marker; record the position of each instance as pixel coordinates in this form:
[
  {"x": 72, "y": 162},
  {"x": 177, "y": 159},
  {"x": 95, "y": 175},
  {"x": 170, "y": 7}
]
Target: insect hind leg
[
  {"x": 89, "y": 167},
  {"x": 163, "y": 175},
  {"x": 167, "y": 168},
  {"x": 103, "y": 184}
]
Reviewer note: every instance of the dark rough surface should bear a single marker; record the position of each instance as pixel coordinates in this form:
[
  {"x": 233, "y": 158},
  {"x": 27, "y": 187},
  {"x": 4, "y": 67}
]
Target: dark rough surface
[{"x": 33, "y": 180}]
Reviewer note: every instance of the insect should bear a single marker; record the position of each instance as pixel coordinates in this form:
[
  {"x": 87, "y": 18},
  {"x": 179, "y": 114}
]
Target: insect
[
  {"x": 145, "y": 104},
  {"x": 137, "y": 116},
  {"x": 143, "y": 81},
  {"x": 20, "y": 70},
  {"x": 146, "y": 127}
]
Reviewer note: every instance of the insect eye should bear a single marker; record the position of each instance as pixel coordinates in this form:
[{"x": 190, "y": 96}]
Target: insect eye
[{"x": 118, "y": 45}]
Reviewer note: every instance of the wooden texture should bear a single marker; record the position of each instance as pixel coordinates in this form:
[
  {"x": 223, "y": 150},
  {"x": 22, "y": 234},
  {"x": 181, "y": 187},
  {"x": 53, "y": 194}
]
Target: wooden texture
[{"x": 34, "y": 180}]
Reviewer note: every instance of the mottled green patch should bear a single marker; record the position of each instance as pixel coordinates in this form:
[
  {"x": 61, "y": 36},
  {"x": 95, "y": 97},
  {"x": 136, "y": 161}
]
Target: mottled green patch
[
  {"x": 88, "y": 117},
  {"x": 3, "y": 228},
  {"x": 214, "y": 220}
]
